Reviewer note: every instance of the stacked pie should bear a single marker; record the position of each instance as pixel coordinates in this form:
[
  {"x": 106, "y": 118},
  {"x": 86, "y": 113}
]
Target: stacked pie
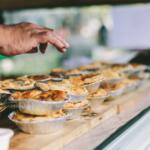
[{"x": 45, "y": 102}]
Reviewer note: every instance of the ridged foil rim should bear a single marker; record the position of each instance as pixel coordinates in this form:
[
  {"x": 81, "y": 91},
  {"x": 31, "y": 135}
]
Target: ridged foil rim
[
  {"x": 39, "y": 101},
  {"x": 37, "y": 121},
  {"x": 98, "y": 97},
  {"x": 117, "y": 92}
]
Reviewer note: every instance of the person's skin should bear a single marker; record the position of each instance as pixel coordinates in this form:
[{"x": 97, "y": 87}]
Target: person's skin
[{"x": 28, "y": 38}]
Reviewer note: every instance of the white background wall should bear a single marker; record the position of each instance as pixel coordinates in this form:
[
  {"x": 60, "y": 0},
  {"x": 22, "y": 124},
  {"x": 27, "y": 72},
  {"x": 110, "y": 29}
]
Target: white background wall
[{"x": 131, "y": 26}]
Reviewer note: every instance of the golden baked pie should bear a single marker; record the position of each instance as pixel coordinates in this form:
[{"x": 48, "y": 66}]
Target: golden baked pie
[
  {"x": 73, "y": 72},
  {"x": 33, "y": 94},
  {"x": 36, "y": 77},
  {"x": 89, "y": 66},
  {"x": 91, "y": 78},
  {"x": 63, "y": 85},
  {"x": 42, "y": 86},
  {"x": 100, "y": 93},
  {"x": 138, "y": 66},
  {"x": 77, "y": 104},
  {"x": 121, "y": 67},
  {"x": 26, "y": 117},
  {"x": 51, "y": 95},
  {"x": 134, "y": 78},
  {"x": 126, "y": 82},
  {"x": 117, "y": 86},
  {"x": 4, "y": 91},
  {"x": 17, "y": 84},
  {"x": 110, "y": 74},
  {"x": 105, "y": 86},
  {"x": 71, "y": 86},
  {"x": 77, "y": 90},
  {"x": 95, "y": 66},
  {"x": 58, "y": 72},
  {"x": 144, "y": 75},
  {"x": 77, "y": 81}
]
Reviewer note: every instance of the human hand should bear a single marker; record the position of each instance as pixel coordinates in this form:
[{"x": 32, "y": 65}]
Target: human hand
[{"x": 27, "y": 37}]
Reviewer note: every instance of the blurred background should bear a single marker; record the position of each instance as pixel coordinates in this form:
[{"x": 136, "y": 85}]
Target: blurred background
[{"x": 116, "y": 34}]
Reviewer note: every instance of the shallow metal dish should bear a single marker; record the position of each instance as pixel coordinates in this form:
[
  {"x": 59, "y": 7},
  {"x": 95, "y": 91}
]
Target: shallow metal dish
[
  {"x": 135, "y": 71},
  {"x": 98, "y": 98},
  {"x": 113, "y": 80},
  {"x": 75, "y": 113},
  {"x": 37, "y": 107},
  {"x": 92, "y": 87},
  {"x": 57, "y": 79},
  {"x": 41, "y": 126},
  {"x": 76, "y": 98},
  {"x": 22, "y": 88},
  {"x": 131, "y": 87},
  {"x": 116, "y": 93},
  {"x": 96, "y": 101}
]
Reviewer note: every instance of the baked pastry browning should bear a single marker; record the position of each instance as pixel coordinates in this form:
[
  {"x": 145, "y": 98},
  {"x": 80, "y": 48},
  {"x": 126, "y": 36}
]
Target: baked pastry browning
[
  {"x": 121, "y": 68},
  {"x": 78, "y": 90},
  {"x": 17, "y": 84},
  {"x": 51, "y": 95},
  {"x": 58, "y": 72},
  {"x": 100, "y": 93},
  {"x": 63, "y": 85},
  {"x": 110, "y": 74},
  {"x": 36, "y": 77},
  {"x": 77, "y": 104},
  {"x": 94, "y": 66},
  {"x": 26, "y": 117},
  {"x": 138, "y": 66},
  {"x": 91, "y": 78},
  {"x": 73, "y": 72}
]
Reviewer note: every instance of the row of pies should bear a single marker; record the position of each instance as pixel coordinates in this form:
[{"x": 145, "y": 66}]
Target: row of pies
[{"x": 46, "y": 101}]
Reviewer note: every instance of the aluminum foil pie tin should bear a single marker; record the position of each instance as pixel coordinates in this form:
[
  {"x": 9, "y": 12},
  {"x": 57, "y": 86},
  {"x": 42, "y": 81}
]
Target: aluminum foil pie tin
[
  {"x": 75, "y": 113},
  {"x": 98, "y": 98},
  {"x": 113, "y": 80},
  {"x": 41, "y": 126},
  {"x": 96, "y": 101},
  {"x": 134, "y": 71},
  {"x": 116, "y": 93},
  {"x": 92, "y": 87},
  {"x": 76, "y": 98},
  {"x": 38, "y": 107}
]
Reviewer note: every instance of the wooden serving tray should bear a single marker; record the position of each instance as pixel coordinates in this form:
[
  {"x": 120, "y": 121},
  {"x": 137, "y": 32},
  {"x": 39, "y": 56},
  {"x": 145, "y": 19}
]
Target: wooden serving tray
[{"x": 88, "y": 132}]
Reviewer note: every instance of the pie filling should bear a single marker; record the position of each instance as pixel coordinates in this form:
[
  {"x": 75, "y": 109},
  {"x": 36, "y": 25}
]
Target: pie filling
[
  {"x": 51, "y": 95},
  {"x": 26, "y": 117},
  {"x": 78, "y": 104}
]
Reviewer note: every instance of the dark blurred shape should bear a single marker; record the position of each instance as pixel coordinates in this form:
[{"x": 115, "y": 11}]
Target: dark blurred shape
[
  {"x": 22, "y": 4},
  {"x": 1, "y": 17},
  {"x": 103, "y": 36},
  {"x": 143, "y": 57}
]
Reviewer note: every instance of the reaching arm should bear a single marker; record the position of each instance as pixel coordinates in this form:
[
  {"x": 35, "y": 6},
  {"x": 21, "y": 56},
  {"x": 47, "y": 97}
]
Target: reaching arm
[{"x": 27, "y": 37}]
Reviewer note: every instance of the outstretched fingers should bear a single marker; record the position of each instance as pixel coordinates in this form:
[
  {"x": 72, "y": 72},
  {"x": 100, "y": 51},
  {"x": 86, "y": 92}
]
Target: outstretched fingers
[{"x": 52, "y": 38}]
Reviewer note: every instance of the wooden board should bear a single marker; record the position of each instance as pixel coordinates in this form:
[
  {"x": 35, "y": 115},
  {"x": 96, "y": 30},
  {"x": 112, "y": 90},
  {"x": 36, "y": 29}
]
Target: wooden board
[{"x": 88, "y": 133}]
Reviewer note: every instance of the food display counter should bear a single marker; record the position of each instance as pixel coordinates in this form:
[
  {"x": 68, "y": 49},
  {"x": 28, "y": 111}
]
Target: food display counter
[{"x": 122, "y": 96}]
